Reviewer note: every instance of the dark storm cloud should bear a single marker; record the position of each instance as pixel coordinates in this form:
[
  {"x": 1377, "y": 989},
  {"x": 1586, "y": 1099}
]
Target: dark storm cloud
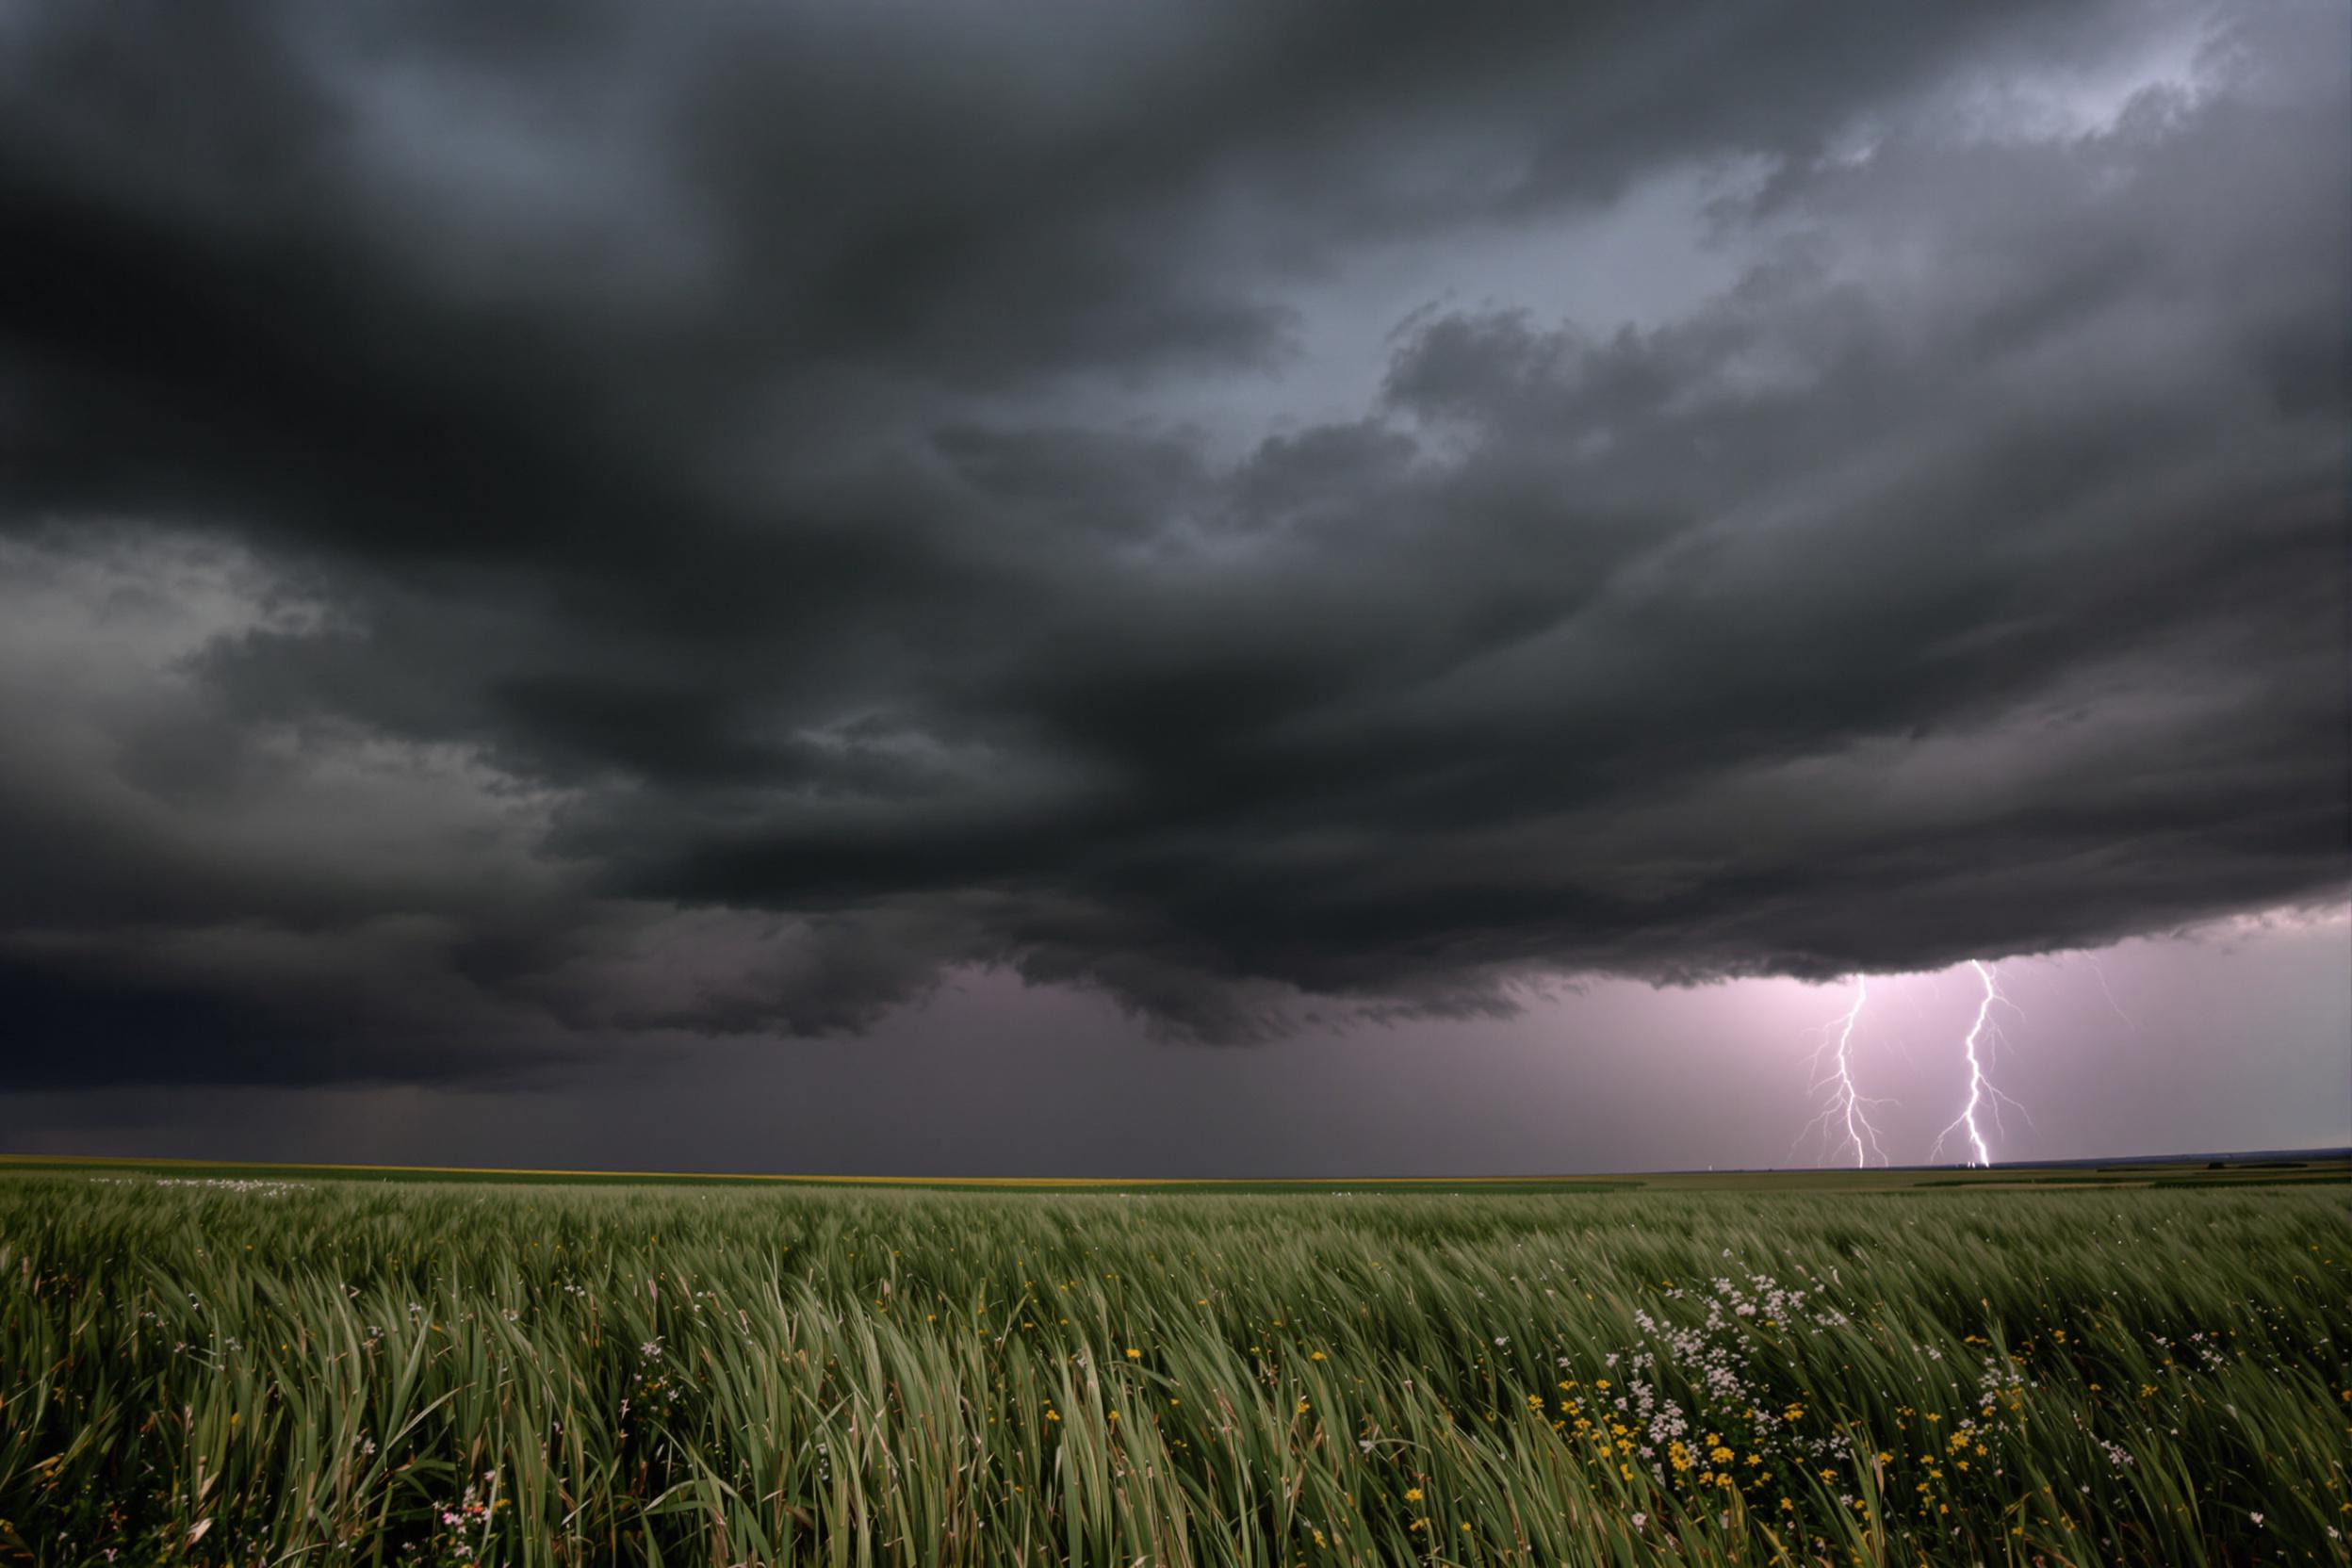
[{"x": 532, "y": 527}]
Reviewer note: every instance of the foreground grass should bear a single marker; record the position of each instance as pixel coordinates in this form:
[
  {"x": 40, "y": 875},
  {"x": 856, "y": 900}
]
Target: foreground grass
[{"x": 216, "y": 1370}]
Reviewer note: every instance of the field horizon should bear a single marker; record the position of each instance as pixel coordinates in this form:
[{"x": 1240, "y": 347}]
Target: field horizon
[{"x": 2269, "y": 1166}]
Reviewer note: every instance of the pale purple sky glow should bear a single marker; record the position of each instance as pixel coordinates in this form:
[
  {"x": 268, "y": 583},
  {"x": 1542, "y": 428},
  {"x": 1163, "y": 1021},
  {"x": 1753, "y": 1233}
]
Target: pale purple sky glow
[{"x": 2228, "y": 1039}]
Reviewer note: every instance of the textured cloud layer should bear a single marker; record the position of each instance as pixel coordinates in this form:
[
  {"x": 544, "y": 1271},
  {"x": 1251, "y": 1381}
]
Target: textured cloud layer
[{"x": 522, "y": 530}]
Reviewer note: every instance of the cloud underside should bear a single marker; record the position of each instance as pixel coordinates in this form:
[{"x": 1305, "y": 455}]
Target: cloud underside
[{"x": 521, "y": 533}]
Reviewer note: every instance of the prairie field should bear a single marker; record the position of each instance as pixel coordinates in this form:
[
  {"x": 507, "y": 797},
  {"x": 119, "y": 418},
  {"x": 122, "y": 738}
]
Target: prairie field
[{"x": 256, "y": 1368}]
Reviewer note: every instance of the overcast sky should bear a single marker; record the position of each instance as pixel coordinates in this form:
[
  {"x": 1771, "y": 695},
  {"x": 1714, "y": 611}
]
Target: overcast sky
[{"x": 1171, "y": 587}]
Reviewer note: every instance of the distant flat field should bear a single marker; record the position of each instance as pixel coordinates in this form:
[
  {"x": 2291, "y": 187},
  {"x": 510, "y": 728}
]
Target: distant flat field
[
  {"x": 2269, "y": 1170},
  {"x": 371, "y": 1368}
]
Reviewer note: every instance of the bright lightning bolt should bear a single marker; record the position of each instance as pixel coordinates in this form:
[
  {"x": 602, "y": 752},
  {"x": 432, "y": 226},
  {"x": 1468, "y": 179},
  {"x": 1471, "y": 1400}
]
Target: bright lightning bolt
[
  {"x": 1982, "y": 1095},
  {"x": 1847, "y": 1103}
]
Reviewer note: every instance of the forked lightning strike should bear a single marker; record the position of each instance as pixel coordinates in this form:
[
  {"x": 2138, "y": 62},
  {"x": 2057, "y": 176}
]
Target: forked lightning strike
[
  {"x": 1845, "y": 1101},
  {"x": 1982, "y": 1094}
]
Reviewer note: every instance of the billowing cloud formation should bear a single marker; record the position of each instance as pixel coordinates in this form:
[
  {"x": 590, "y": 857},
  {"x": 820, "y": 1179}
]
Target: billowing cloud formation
[{"x": 531, "y": 526}]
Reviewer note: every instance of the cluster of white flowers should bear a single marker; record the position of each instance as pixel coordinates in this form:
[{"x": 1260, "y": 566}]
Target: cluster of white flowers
[
  {"x": 1765, "y": 1297},
  {"x": 1712, "y": 1355},
  {"x": 217, "y": 1184}
]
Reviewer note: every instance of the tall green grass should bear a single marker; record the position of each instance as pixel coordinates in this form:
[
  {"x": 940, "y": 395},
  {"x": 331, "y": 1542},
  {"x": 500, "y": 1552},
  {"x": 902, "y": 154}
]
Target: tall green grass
[{"x": 382, "y": 1372}]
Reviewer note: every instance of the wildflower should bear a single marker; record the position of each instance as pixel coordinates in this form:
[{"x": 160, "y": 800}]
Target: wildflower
[{"x": 1133, "y": 1354}]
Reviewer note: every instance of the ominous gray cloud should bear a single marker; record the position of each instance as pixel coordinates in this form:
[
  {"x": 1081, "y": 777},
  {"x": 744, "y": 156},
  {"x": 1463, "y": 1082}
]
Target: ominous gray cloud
[{"x": 522, "y": 527}]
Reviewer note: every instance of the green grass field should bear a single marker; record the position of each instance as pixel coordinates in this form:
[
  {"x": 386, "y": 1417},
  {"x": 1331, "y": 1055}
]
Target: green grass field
[{"x": 263, "y": 1365}]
